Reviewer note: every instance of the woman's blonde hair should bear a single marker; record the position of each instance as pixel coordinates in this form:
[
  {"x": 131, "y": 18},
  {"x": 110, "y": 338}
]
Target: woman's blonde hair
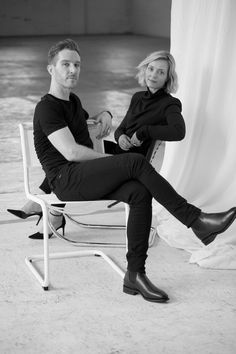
[{"x": 171, "y": 85}]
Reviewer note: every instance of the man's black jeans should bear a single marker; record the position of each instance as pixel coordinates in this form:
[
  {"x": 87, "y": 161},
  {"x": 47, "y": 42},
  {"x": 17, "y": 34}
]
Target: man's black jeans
[{"x": 129, "y": 178}]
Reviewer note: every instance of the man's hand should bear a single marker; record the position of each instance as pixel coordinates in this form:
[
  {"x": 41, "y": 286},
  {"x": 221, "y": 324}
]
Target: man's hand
[
  {"x": 135, "y": 141},
  {"x": 124, "y": 142},
  {"x": 105, "y": 128}
]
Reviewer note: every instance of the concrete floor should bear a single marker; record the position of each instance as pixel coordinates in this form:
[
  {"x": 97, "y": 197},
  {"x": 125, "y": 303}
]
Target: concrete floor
[{"x": 85, "y": 310}]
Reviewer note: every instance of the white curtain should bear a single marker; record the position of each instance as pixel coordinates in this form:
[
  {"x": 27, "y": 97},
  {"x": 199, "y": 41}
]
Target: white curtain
[{"x": 203, "y": 166}]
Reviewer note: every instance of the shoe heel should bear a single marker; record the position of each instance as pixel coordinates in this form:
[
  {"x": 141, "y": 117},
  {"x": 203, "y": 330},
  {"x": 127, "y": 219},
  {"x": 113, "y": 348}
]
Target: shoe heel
[
  {"x": 63, "y": 225},
  {"x": 40, "y": 217},
  {"x": 129, "y": 290}
]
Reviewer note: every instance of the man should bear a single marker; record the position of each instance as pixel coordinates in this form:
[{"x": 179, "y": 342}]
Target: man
[{"x": 76, "y": 172}]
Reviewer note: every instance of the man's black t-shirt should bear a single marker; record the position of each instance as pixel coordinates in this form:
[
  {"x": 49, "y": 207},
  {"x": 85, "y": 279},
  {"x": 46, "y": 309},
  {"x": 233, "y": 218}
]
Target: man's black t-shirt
[{"x": 52, "y": 114}]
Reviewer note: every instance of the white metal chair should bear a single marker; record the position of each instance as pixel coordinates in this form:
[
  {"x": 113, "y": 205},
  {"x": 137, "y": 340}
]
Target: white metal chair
[{"x": 46, "y": 201}]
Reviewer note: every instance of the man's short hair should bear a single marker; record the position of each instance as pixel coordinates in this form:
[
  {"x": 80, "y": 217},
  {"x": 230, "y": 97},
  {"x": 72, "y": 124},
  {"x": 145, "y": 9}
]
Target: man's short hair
[{"x": 59, "y": 46}]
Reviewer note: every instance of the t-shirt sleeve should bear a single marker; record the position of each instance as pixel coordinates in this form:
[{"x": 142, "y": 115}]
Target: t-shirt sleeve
[{"x": 49, "y": 117}]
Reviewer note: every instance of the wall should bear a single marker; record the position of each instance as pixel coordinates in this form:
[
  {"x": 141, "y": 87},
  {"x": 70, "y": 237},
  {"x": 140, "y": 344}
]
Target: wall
[
  {"x": 34, "y": 17},
  {"x": 108, "y": 16},
  {"x": 151, "y": 17}
]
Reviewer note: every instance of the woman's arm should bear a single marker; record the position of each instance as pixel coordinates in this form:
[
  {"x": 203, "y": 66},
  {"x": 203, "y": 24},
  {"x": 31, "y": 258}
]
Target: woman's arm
[{"x": 174, "y": 130}]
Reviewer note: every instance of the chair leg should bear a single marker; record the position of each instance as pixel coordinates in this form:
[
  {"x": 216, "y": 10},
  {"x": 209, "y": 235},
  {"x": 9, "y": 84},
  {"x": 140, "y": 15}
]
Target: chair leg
[
  {"x": 152, "y": 237},
  {"x": 95, "y": 226},
  {"x": 31, "y": 260},
  {"x": 43, "y": 279},
  {"x": 153, "y": 233},
  {"x": 84, "y": 243}
]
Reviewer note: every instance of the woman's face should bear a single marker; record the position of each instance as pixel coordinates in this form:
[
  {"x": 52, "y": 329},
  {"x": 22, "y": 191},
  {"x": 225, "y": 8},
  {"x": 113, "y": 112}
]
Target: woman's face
[{"x": 156, "y": 74}]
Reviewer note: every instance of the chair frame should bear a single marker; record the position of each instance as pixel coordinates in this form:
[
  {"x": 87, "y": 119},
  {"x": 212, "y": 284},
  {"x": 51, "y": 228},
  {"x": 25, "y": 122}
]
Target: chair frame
[
  {"x": 47, "y": 201},
  {"x": 30, "y": 160}
]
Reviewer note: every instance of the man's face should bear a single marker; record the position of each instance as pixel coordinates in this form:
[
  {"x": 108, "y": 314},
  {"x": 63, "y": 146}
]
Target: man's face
[{"x": 65, "y": 69}]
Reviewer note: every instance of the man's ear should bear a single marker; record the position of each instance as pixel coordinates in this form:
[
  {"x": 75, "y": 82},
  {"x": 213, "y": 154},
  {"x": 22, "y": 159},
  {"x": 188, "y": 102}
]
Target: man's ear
[{"x": 49, "y": 68}]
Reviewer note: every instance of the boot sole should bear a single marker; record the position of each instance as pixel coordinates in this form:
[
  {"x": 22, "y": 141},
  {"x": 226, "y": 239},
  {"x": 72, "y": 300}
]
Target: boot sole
[
  {"x": 131, "y": 291},
  {"x": 224, "y": 229}
]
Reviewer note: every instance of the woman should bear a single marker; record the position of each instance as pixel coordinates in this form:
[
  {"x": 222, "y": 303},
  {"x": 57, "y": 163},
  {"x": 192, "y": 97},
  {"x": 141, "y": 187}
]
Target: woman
[{"x": 153, "y": 114}]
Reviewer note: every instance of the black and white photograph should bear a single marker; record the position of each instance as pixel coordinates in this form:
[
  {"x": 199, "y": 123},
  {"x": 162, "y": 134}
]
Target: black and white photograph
[{"x": 117, "y": 176}]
